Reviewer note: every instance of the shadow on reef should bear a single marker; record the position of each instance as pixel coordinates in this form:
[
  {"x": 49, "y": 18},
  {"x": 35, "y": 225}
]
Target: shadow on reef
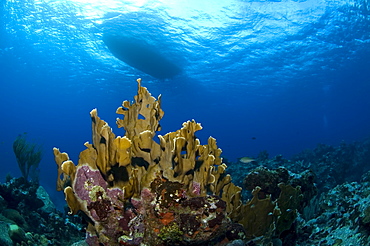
[{"x": 28, "y": 217}]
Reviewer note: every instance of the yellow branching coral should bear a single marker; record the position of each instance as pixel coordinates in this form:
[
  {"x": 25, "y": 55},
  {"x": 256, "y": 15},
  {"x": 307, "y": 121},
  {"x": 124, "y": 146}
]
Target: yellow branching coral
[
  {"x": 164, "y": 180},
  {"x": 60, "y": 158},
  {"x": 144, "y": 114},
  {"x": 134, "y": 188}
]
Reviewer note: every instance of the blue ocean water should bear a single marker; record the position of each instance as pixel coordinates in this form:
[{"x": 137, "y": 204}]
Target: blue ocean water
[{"x": 280, "y": 76}]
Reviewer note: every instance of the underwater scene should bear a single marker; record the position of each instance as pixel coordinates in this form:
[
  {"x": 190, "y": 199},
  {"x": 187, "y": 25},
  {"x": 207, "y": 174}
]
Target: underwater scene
[{"x": 174, "y": 123}]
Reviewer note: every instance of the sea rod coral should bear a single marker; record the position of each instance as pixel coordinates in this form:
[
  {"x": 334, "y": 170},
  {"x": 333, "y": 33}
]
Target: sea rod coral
[{"x": 28, "y": 157}]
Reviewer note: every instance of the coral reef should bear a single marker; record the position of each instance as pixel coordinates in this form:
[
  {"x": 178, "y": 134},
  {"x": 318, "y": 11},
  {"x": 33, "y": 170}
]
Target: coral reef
[
  {"x": 336, "y": 165},
  {"x": 342, "y": 219},
  {"x": 28, "y": 217},
  {"x": 278, "y": 196},
  {"x": 270, "y": 181},
  {"x": 334, "y": 209},
  {"x": 332, "y": 165},
  {"x": 171, "y": 190},
  {"x": 136, "y": 191}
]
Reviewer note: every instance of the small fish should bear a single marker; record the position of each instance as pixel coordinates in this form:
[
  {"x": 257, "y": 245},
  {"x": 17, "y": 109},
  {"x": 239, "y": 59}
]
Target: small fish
[{"x": 246, "y": 160}]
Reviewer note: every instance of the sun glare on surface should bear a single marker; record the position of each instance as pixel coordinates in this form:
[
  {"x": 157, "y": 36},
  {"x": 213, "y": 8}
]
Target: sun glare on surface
[
  {"x": 96, "y": 9},
  {"x": 111, "y": 3}
]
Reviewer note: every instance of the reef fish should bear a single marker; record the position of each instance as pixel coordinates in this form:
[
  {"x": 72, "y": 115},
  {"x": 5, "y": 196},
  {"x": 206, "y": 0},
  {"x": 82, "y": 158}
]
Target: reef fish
[
  {"x": 138, "y": 54},
  {"x": 246, "y": 160}
]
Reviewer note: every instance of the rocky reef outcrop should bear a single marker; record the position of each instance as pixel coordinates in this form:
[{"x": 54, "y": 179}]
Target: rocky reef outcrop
[{"x": 29, "y": 217}]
